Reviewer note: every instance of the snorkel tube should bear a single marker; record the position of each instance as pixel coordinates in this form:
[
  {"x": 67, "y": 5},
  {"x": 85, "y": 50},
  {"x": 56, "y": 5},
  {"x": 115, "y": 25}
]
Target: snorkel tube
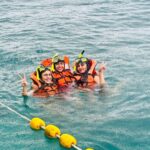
[{"x": 81, "y": 54}]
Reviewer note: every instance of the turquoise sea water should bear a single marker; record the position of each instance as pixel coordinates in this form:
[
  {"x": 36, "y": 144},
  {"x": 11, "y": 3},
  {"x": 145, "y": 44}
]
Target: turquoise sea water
[{"x": 114, "y": 31}]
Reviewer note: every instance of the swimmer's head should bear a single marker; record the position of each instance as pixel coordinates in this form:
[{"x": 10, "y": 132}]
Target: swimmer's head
[{"x": 44, "y": 74}]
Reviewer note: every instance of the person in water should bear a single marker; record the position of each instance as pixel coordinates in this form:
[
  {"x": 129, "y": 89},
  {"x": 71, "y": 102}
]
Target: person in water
[
  {"x": 42, "y": 85},
  {"x": 61, "y": 72},
  {"x": 85, "y": 73}
]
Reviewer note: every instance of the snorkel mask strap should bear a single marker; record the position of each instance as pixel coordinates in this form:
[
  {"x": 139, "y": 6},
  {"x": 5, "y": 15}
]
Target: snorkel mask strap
[
  {"x": 74, "y": 67},
  {"x": 53, "y": 66},
  {"x": 37, "y": 73}
]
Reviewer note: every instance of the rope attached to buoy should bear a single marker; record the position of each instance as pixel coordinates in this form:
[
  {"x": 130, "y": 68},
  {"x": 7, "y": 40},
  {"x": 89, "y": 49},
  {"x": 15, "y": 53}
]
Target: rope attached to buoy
[
  {"x": 12, "y": 110},
  {"x": 51, "y": 131}
]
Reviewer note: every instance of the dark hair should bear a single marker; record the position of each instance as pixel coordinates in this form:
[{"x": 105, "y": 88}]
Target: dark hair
[
  {"x": 40, "y": 73},
  {"x": 87, "y": 64}
]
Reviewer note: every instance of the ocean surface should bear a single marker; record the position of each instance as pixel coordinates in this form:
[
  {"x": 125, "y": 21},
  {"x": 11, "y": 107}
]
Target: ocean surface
[{"x": 116, "y": 32}]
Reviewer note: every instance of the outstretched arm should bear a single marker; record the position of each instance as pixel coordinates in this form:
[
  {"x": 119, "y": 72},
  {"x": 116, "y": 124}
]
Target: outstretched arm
[
  {"x": 25, "y": 91},
  {"x": 101, "y": 75},
  {"x": 24, "y": 86},
  {"x": 100, "y": 79}
]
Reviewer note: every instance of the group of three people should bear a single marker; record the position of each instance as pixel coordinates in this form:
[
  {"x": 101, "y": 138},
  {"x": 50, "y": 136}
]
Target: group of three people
[{"x": 54, "y": 76}]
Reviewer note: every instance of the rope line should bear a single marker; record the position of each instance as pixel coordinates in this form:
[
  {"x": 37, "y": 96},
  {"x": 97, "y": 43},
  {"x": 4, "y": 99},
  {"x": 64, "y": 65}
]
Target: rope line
[
  {"x": 12, "y": 110},
  {"x": 27, "y": 119}
]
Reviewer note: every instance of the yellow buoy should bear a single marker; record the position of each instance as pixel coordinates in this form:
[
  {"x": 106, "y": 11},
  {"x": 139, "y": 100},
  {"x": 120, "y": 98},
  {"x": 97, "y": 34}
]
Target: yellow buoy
[
  {"x": 52, "y": 131},
  {"x": 67, "y": 140},
  {"x": 89, "y": 149},
  {"x": 37, "y": 123}
]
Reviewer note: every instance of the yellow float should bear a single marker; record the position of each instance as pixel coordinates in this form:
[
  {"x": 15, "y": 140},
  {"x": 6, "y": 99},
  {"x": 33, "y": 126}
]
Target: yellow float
[
  {"x": 67, "y": 140},
  {"x": 37, "y": 123},
  {"x": 52, "y": 131}
]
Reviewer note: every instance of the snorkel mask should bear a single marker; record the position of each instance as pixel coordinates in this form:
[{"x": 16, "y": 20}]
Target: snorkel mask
[
  {"x": 56, "y": 59},
  {"x": 80, "y": 59},
  {"x": 39, "y": 69}
]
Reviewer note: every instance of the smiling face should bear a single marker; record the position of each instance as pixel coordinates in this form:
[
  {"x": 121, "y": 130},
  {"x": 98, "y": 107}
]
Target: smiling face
[
  {"x": 60, "y": 66},
  {"x": 46, "y": 76},
  {"x": 82, "y": 67}
]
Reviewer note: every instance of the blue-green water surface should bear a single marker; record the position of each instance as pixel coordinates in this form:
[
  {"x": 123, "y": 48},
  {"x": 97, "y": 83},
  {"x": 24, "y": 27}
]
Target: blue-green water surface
[{"x": 114, "y": 31}]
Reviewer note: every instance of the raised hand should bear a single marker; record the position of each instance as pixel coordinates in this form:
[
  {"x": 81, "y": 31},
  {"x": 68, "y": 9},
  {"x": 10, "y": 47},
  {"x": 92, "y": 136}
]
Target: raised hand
[
  {"x": 23, "y": 80},
  {"x": 102, "y": 67}
]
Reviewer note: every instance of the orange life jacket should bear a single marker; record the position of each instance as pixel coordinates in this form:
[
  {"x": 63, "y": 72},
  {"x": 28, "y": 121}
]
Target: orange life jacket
[
  {"x": 63, "y": 78},
  {"x": 46, "y": 62},
  {"x": 43, "y": 90},
  {"x": 84, "y": 81},
  {"x": 87, "y": 79}
]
